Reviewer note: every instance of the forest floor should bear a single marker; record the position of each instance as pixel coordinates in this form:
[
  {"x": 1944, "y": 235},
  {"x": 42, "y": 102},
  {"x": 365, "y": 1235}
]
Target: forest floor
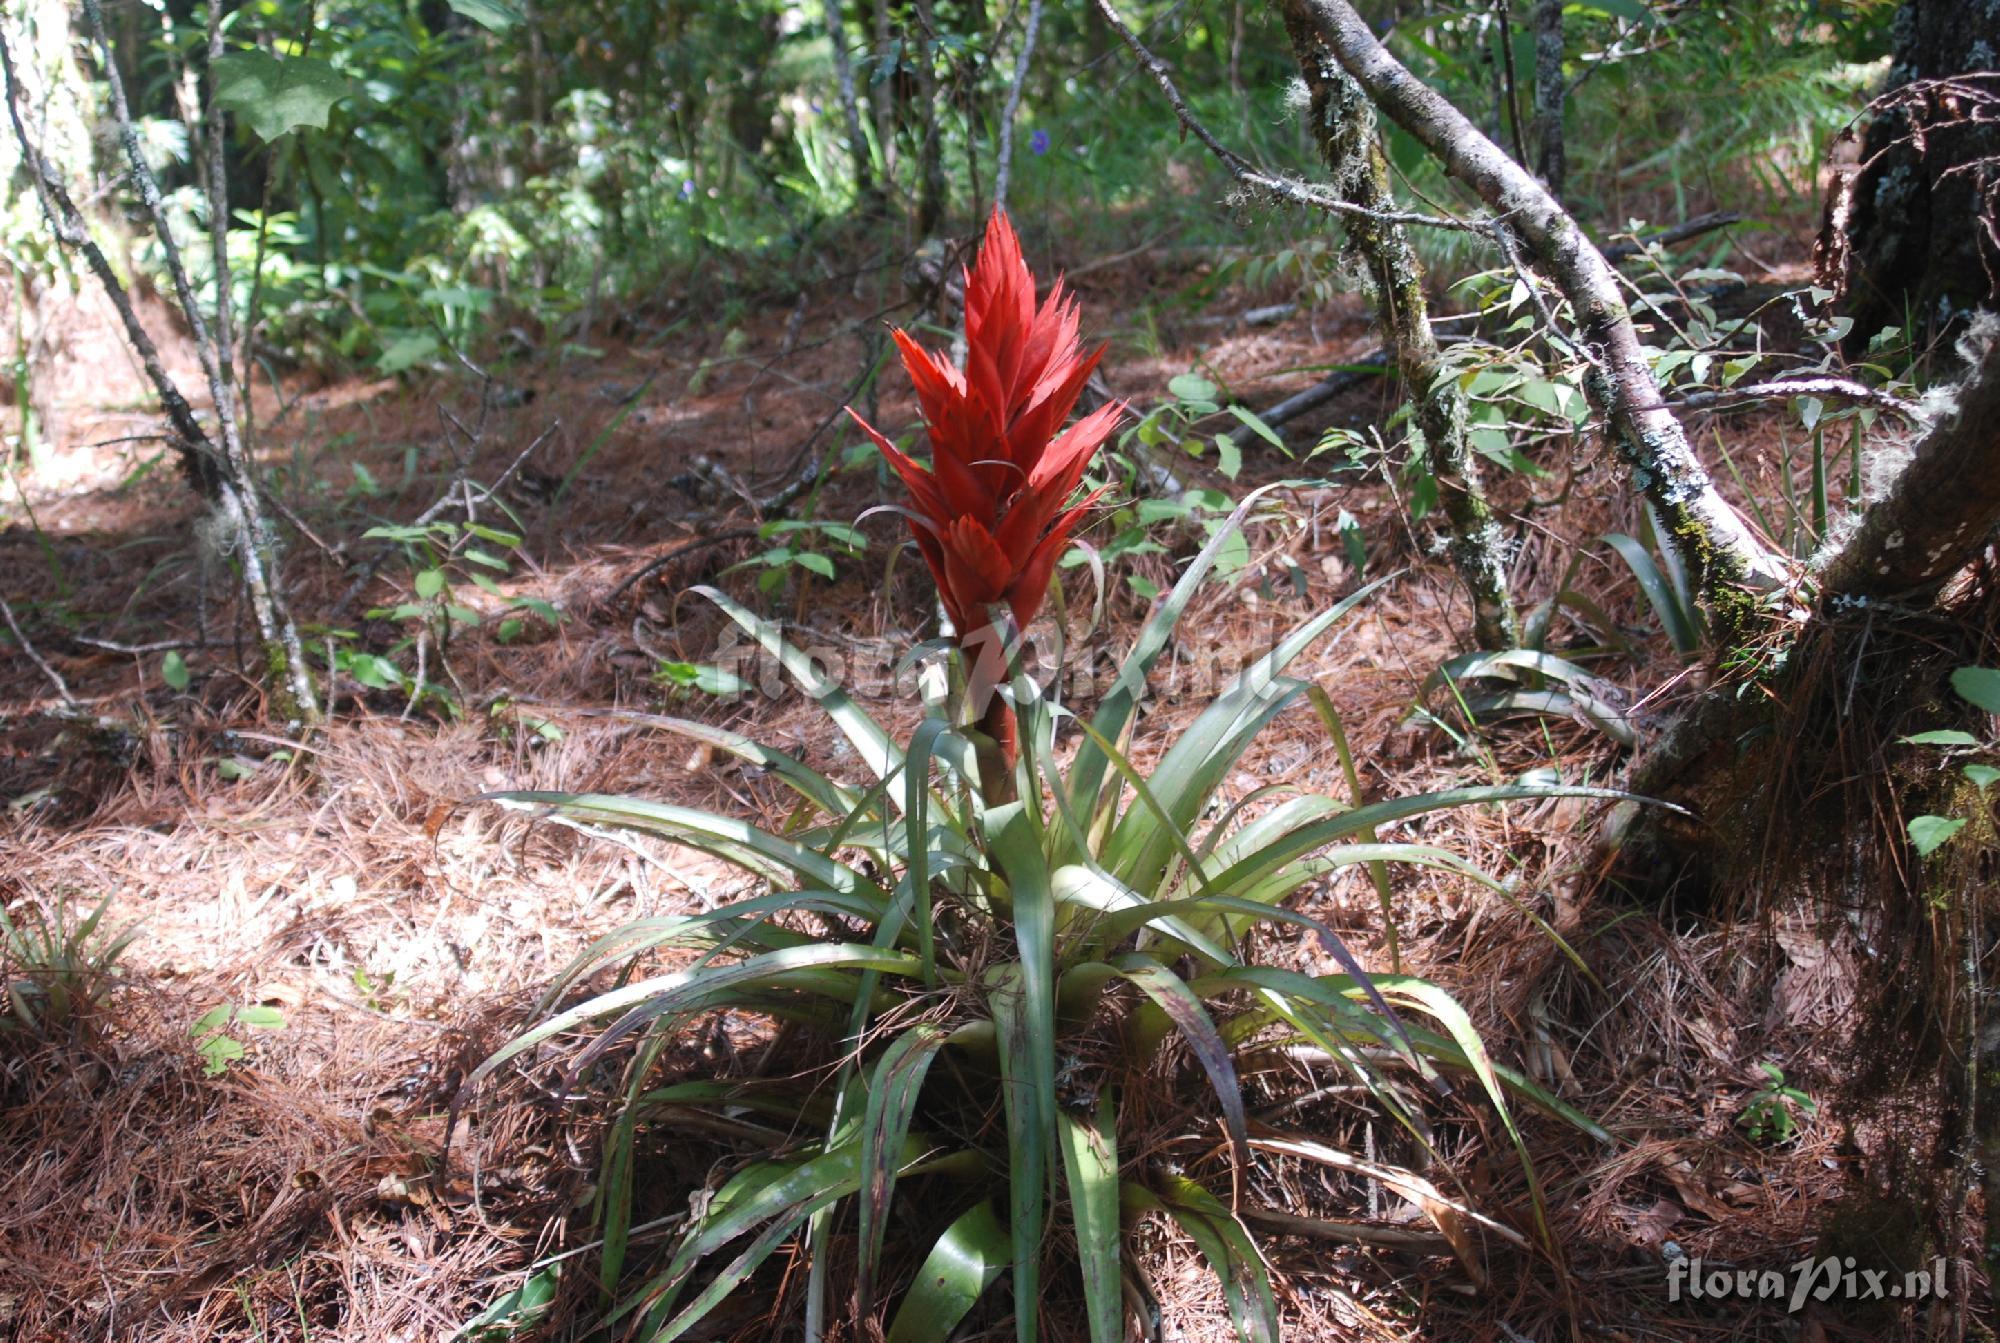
[{"x": 399, "y": 934}]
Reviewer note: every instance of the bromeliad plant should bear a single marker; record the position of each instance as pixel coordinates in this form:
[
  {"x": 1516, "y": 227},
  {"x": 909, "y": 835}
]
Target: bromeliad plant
[{"x": 974, "y": 981}]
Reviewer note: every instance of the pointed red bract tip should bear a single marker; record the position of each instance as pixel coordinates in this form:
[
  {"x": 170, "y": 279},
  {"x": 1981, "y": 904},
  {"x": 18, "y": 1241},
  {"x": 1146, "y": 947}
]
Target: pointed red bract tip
[{"x": 992, "y": 515}]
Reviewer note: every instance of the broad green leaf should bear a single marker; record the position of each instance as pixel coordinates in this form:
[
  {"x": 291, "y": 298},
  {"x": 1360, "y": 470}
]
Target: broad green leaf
[
  {"x": 1228, "y": 457},
  {"x": 1090, "y": 1170},
  {"x": 973, "y": 1251},
  {"x": 1978, "y": 686},
  {"x": 174, "y": 671},
  {"x": 275, "y": 95},
  {"x": 1982, "y": 776},
  {"x": 1257, "y": 427},
  {"x": 1930, "y": 833},
  {"x": 1942, "y": 737},
  {"x": 492, "y": 15}
]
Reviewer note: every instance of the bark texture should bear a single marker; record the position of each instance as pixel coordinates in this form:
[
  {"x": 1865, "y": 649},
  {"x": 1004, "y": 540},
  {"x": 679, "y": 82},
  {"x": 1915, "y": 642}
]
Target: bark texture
[
  {"x": 1712, "y": 540},
  {"x": 1941, "y": 511},
  {"x": 1914, "y": 247},
  {"x": 1343, "y": 126},
  {"x": 850, "y": 106},
  {"x": 1551, "y": 161}
]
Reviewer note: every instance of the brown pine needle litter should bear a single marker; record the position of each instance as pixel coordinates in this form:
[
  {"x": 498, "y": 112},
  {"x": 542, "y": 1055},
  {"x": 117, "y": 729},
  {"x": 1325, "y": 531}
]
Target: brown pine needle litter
[{"x": 342, "y": 885}]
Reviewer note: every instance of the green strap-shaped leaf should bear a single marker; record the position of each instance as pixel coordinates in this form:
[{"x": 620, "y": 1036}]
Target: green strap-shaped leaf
[
  {"x": 1024, "y": 1097},
  {"x": 1231, "y": 1255},
  {"x": 893, "y": 1089},
  {"x": 867, "y": 736},
  {"x": 809, "y": 783},
  {"x": 738, "y": 842},
  {"x": 1660, "y": 595},
  {"x": 972, "y": 1252},
  {"x": 1195, "y": 765},
  {"x": 663, "y": 994},
  {"x": 1363, "y": 819},
  {"x": 1090, "y": 1168},
  {"x": 1185, "y": 1010},
  {"x": 1086, "y": 777}
]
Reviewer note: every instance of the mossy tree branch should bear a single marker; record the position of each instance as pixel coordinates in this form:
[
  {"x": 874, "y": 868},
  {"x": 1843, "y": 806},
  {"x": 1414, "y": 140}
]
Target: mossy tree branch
[{"x": 1343, "y": 126}]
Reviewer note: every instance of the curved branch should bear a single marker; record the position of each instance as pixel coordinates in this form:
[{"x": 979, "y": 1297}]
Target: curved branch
[{"x": 1713, "y": 541}]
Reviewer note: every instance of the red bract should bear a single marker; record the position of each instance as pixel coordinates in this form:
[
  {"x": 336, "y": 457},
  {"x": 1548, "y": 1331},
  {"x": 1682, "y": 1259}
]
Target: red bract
[{"x": 990, "y": 514}]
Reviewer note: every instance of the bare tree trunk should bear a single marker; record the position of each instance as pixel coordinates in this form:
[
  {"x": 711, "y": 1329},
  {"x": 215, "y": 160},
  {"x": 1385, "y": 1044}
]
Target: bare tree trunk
[
  {"x": 231, "y": 481},
  {"x": 930, "y": 153},
  {"x": 881, "y": 100},
  {"x": 850, "y": 107},
  {"x": 1716, "y": 546},
  {"x": 1343, "y": 125},
  {"x": 1003, "y": 171},
  {"x": 1551, "y": 162}
]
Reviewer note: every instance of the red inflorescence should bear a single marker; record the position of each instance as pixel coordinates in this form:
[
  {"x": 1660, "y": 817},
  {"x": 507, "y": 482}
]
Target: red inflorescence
[{"x": 990, "y": 514}]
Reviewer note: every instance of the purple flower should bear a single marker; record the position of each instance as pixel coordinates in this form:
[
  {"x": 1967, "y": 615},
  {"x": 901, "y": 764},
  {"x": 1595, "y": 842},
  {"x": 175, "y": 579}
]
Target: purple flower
[
  {"x": 814, "y": 104},
  {"x": 1038, "y": 143},
  {"x": 687, "y": 189}
]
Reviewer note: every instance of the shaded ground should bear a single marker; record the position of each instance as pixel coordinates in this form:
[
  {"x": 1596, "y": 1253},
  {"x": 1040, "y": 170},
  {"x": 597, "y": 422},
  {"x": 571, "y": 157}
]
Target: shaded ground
[{"x": 401, "y": 934}]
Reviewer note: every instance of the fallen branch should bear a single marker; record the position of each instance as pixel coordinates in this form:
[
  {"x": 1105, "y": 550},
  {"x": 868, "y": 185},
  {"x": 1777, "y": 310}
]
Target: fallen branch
[
  {"x": 652, "y": 567},
  {"x": 1831, "y": 388},
  {"x": 1667, "y": 237}
]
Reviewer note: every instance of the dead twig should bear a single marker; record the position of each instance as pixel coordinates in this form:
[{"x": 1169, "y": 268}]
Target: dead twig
[
  {"x": 654, "y": 566},
  {"x": 28, "y": 648}
]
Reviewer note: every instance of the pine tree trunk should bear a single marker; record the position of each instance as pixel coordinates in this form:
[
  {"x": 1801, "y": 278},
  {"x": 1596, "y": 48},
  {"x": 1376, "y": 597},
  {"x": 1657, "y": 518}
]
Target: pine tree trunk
[{"x": 1912, "y": 239}]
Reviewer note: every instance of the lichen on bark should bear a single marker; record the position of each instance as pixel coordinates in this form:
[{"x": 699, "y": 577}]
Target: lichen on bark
[{"x": 1342, "y": 123}]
